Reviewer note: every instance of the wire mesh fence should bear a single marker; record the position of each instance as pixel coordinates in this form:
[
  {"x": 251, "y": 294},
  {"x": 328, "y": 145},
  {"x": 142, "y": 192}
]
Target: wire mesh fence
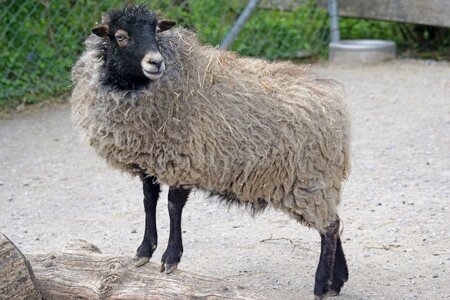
[{"x": 42, "y": 39}]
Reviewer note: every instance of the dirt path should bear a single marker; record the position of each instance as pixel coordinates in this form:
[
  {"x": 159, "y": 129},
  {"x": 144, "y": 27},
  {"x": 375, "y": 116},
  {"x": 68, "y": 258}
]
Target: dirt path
[{"x": 395, "y": 205}]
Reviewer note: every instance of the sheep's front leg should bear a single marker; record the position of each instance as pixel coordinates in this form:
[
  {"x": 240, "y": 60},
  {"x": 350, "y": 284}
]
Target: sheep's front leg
[
  {"x": 324, "y": 273},
  {"x": 174, "y": 251},
  {"x": 151, "y": 194}
]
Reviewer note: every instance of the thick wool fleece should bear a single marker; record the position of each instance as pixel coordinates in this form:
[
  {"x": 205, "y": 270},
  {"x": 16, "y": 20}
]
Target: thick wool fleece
[{"x": 228, "y": 125}]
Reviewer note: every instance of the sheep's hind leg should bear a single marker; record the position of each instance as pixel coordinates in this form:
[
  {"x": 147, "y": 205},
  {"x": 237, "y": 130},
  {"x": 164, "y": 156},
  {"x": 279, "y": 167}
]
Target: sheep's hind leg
[
  {"x": 324, "y": 273},
  {"x": 149, "y": 243},
  {"x": 340, "y": 270},
  {"x": 174, "y": 251}
]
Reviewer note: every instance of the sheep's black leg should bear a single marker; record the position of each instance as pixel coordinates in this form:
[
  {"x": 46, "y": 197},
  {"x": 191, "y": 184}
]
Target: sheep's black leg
[
  {"x": 174, "y": 251},
  {"x": 151, "y": 194},
  {"x": 324, "y": 273},
  {"x": 340, "y": 271}
]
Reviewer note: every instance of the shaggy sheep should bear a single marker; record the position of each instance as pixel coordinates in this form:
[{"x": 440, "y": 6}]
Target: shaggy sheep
[{"x": 155, "y": 103}]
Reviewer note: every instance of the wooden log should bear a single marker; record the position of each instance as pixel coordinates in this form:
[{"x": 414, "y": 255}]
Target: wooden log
[
  {"x": 17, "y": 280},
  {"x": 81, "y": 271}
]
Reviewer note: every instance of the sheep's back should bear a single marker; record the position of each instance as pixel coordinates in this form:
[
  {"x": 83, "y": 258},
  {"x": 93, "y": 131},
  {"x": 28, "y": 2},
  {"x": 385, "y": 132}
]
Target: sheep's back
[{"x": 262, "y": 127}]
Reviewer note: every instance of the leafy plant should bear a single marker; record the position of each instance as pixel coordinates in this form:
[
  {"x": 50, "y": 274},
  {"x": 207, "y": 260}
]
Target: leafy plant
[{"x": 42, "y": 39}]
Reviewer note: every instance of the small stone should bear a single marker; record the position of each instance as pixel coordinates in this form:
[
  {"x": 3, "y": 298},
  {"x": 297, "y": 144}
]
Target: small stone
[
  {"x": 435, "y": 276},
  {"x": 133, "y": 231}
]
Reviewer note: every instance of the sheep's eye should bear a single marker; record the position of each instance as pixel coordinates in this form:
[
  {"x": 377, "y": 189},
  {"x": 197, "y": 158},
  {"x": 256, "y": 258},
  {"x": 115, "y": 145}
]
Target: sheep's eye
[{"x": 120, "y": 38}]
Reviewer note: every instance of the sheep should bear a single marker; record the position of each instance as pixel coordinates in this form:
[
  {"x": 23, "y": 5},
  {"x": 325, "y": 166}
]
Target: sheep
[{"x": 155, "y": 103}]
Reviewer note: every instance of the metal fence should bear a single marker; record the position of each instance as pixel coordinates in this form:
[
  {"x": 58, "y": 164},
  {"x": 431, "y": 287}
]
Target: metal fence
[{"x": 42, "y": 39}]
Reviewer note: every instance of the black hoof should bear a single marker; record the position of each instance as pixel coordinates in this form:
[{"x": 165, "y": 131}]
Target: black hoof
[
  {"x": 335, "y": 288},
  {"x": 170, "y": 260},
  {"x": 143, "y": 254},
  {"x": 334, "y": 293},
  {"x": 322, "y": 297},
  {"x": 168, "y": 268},
  {"x": 140, "y": 260}
]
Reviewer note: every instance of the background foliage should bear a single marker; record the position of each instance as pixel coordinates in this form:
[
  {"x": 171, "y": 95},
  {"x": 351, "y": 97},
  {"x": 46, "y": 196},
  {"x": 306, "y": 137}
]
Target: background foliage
[
  {"x": 420, "y": 41},
  {"x": 43, "y": 38}
]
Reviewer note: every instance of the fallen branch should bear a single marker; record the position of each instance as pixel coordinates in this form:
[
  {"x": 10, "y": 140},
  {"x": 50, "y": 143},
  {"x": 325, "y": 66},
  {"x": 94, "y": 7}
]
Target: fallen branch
[{"x": 82, "y": 272}]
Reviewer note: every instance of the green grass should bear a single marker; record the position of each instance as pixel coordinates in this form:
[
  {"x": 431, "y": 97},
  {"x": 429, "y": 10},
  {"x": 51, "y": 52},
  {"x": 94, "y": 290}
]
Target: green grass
[{"x": 44, "y": 38}]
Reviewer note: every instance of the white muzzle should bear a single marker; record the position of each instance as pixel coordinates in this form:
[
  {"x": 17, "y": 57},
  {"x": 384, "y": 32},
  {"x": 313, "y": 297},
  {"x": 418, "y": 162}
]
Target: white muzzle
[{"x": 153, "y": 65}]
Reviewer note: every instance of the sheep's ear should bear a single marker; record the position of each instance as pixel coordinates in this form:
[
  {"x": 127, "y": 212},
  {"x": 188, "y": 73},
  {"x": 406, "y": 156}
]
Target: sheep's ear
[
  {"x": 101, "y": 30},
  {"x": 164, "y": 25}
]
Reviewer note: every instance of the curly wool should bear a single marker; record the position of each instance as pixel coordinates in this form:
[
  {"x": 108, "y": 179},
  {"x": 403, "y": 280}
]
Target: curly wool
[{"x": 239, "y": 127}]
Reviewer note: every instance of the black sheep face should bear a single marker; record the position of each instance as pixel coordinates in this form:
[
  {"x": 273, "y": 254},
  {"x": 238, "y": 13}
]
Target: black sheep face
[{"x": 132, "y": 56}]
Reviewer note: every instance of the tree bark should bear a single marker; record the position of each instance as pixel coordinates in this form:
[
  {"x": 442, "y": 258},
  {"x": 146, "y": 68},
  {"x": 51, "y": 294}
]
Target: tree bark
[
  {"x": 16, "y": 276},
  {"x": 82, "y": 272}
]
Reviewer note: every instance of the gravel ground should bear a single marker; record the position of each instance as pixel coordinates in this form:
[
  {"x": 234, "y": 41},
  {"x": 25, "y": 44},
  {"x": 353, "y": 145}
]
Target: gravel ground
[{"x": 395, "y": 205}]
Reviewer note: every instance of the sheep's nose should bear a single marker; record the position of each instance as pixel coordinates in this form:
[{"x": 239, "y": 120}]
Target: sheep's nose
[
  {"x": 153, "y": 62},
  {"x": 156, "y": 61}
]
